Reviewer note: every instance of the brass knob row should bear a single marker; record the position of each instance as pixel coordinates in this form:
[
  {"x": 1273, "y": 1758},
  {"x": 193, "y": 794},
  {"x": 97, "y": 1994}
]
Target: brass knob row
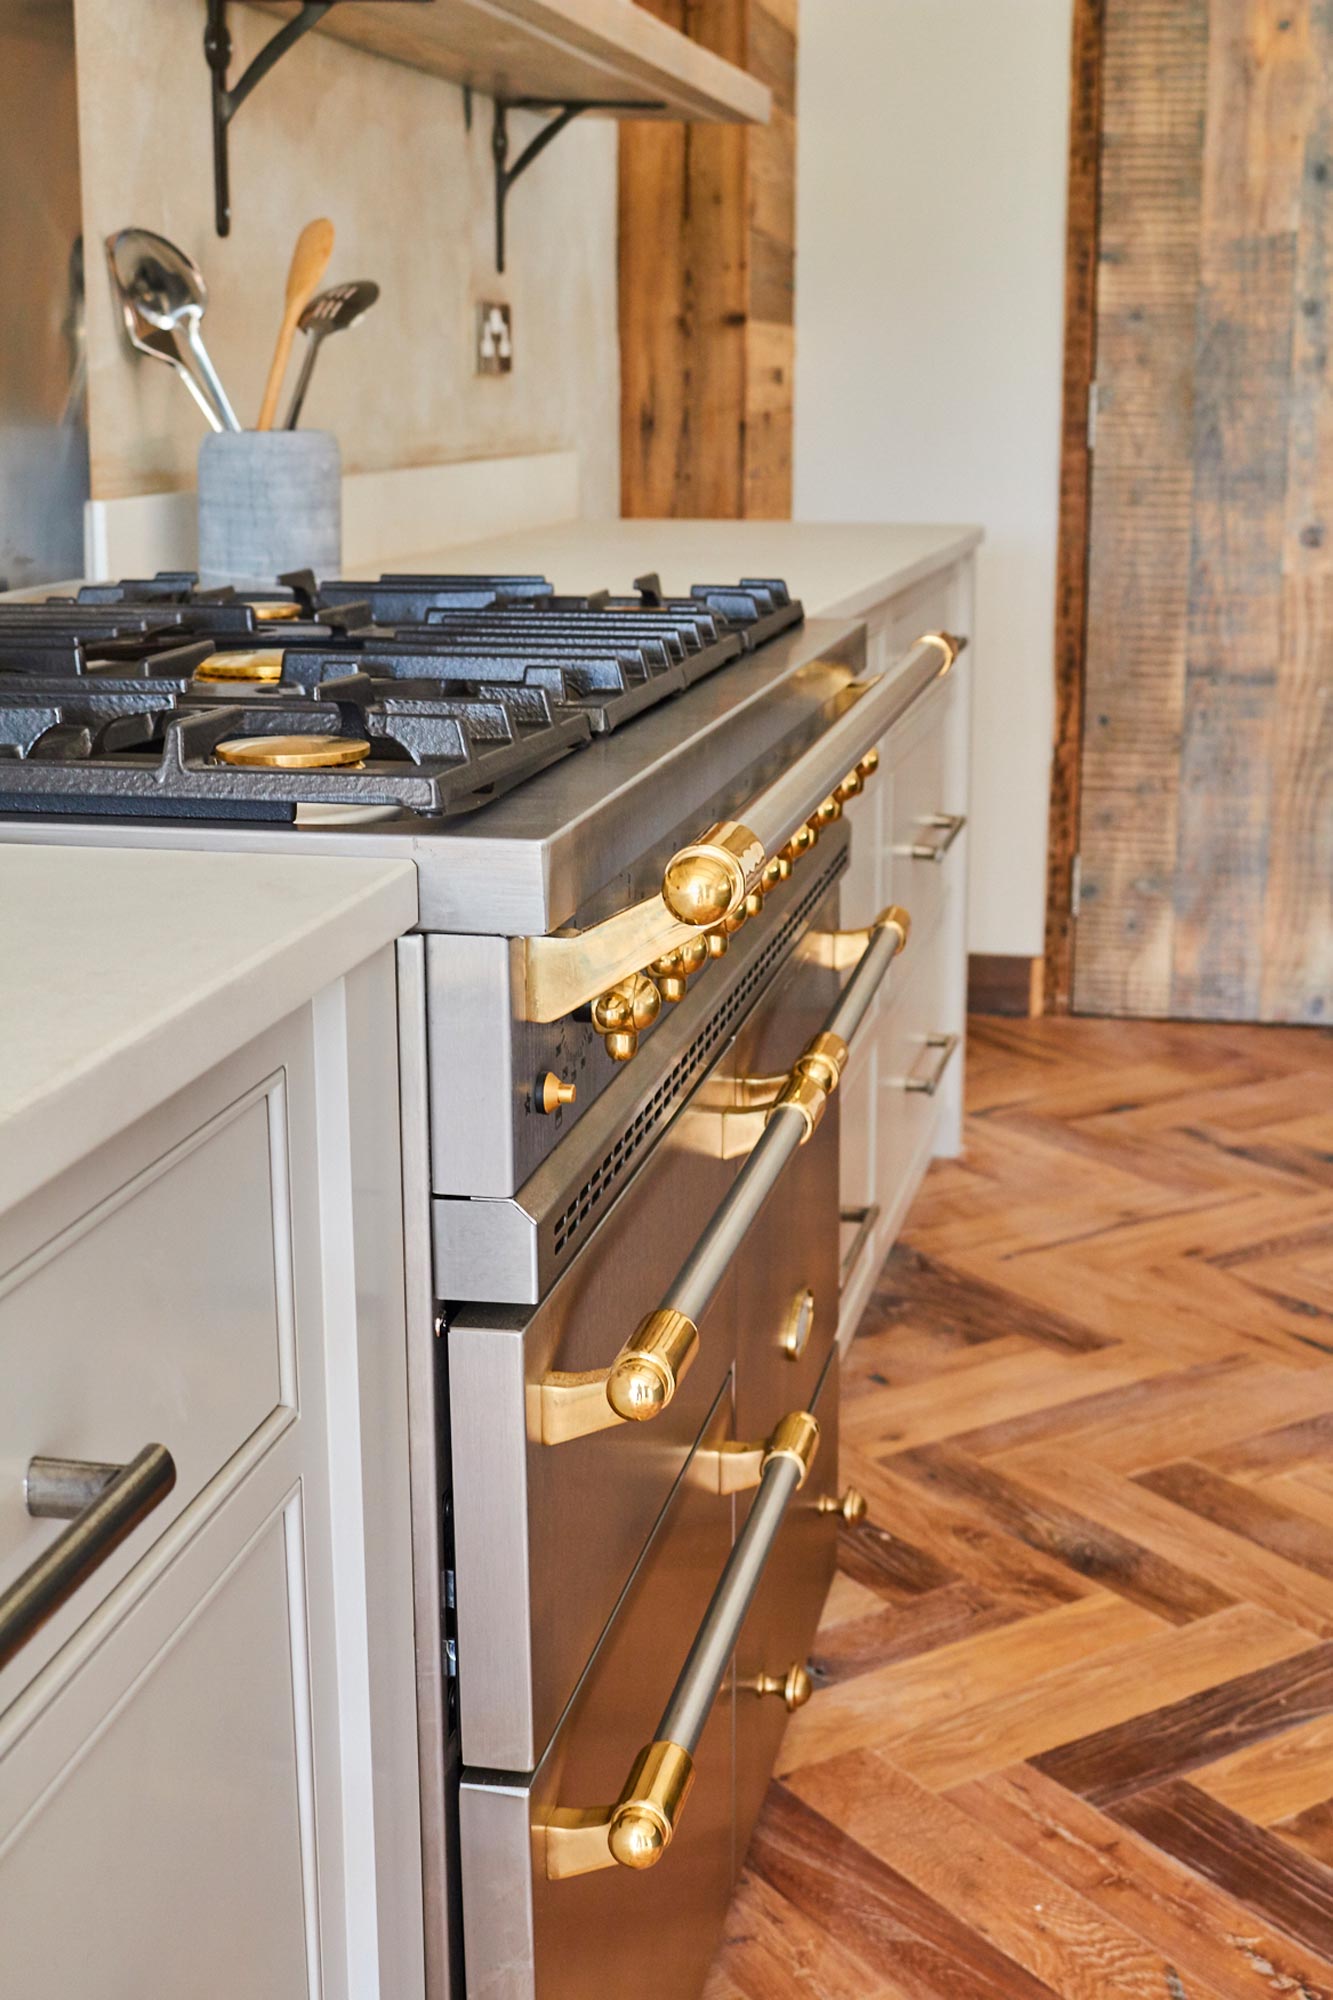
[{"x": 622, "y": 1013}]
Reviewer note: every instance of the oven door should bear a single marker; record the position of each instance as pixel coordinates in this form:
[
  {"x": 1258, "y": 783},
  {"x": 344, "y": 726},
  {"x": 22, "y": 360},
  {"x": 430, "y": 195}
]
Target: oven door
[{"x": 614, "y": 1930}]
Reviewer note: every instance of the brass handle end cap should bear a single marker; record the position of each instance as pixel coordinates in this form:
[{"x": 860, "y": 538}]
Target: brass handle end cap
[
  {"x": 897, "y": 918},
  {"x": 637, "y": 1837},
  {"x": 853, "y": 1508},
  {"x": 638, "y": 1388}
]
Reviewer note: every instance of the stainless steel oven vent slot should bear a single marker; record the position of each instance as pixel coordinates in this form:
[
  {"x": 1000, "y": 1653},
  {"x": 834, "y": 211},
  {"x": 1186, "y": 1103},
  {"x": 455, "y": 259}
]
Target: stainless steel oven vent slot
[{"x": 697, "y": 1057}]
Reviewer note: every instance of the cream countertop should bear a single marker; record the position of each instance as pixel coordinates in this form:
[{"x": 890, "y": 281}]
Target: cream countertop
[
  {"x": 837, "y": 571},
  {"x": 125, "y": 974}
]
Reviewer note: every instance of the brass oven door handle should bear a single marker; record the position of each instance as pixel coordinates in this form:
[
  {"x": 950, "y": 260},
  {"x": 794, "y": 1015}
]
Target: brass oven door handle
[
  {"x": 650, "y": 1367},
  {"x": 637, "y": 1829},
  {"x": 709, "y": 885},
  {"x": 927, "y": 1082},
  {"x": 943, "y": 831},
  {"x": 103, "y": 1504}
]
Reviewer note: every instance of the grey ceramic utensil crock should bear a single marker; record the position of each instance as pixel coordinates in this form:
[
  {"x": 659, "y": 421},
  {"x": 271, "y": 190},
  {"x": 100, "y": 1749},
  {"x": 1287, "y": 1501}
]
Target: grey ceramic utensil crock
[{"x": 269, "y": 501}]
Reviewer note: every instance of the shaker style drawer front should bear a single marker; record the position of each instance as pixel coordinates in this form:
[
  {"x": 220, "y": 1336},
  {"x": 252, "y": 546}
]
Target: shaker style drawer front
[
  {"x": 609, "y": 1870},
  {"x": 160, "y": 1317},
  {"x": 779, "y": 1631},
  {"x": 913, "y": 1055},
  {"x": 926, "y": 824},
  {"x": 165, "y": 1855}
]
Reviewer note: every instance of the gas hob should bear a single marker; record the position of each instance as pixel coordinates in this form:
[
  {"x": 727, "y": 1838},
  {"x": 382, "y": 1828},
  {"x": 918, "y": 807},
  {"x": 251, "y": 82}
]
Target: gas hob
[{"x": 419, "y": 695}]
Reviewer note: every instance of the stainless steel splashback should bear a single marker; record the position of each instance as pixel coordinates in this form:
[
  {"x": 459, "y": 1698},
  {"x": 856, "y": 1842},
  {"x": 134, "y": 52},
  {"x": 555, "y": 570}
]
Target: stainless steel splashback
[{"x": 43, "y": 375}]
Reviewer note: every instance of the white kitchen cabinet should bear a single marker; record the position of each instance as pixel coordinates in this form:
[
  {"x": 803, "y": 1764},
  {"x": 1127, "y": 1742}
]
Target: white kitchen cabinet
[
  {"x": 205, "y": 1751},
  {"x": 913, "y": 1036}
]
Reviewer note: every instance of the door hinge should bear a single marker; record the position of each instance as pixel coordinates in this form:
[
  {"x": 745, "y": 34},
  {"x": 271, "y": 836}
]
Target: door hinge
[
  {"x": 1092, "y": 416},
  {"x": 1075, "y": 884}
]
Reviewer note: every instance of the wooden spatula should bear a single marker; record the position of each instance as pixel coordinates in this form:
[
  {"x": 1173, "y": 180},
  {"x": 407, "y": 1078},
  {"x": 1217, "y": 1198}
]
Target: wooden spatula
[{"x": 310, "y": 260}]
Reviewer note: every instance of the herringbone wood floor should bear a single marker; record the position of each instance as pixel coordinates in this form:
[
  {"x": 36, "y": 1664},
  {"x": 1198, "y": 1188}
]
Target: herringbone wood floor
[{"x": 1074, "y": 1726}]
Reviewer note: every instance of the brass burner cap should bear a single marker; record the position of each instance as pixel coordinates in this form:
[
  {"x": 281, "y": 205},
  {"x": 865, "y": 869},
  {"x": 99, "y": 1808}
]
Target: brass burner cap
[
  {"x": 280, "y": 608},
  {"x": 264, "y": 666},
  {"x": 294, "y": 753}
]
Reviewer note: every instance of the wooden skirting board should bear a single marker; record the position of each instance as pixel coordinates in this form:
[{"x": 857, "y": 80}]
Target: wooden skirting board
[{"x": 1002, "y": 983}]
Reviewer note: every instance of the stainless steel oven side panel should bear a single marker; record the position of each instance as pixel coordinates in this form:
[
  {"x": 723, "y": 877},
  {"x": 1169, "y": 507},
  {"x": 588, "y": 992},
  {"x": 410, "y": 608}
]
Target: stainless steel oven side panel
[
  {"x": 617, "y": 1931},
  {"x": 547, "y": 1534},
  {"x": 437, "y": 1744},
  {"x": 780, "y": 1629}
]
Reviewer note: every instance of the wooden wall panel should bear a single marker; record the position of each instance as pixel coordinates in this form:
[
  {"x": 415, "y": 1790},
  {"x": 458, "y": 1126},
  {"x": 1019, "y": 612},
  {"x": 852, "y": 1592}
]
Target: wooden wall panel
[
  {"x": 707, "y": 284},
  {"x": 1071, "y": 586},
  {"x": 1207, "y": 789}
]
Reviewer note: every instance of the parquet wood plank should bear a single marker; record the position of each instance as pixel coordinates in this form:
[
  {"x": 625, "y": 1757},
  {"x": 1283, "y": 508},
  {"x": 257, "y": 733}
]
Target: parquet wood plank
[
  {"x": 881, "y": 1918},
  {"x": 1233, "y": 1563},
  {"x": 1283, "y": 1449},
  {"x": 914, "y": 1288},
  {"x": 1112, "y": 1764},
  {"x": 1120, "y": 1690},
  {"x": 1097, "y": 1552},
  {"x": 1311, "y": 1831},
  {"x": 1191, "y": 1921},
  {"x": 901, "y": 1632},
  {"x": 1031, "y": 1915},
  {"x": 771, "y": 1951},
  {"x": 877, "y": 1708},
  {"x": 1258, "y": 1868},
  {"x": 1276, "y": 1778},
  {"x": 1121, "y": 1407},
  {"x": 1245, "y": 1511}
]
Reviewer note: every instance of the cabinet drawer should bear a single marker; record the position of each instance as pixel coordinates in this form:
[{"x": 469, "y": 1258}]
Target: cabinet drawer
[
  {"x": 924, "y": 845},
  {"x": 910, "y": 1052},
  {"x": 618, "y": 1930},
  {"x": 165, "y": 1856},
  {"x": 780, "y": 1629},
  {"x": 162, "y": 1314}
]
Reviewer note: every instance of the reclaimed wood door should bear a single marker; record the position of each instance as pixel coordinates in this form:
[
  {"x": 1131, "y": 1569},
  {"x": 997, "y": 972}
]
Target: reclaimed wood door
[{"x": 1206, "y": 826}]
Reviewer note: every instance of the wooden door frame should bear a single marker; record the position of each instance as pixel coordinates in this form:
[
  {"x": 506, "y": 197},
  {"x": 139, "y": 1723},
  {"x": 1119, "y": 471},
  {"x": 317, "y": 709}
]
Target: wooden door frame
[{"x": 1082, "y": 236}]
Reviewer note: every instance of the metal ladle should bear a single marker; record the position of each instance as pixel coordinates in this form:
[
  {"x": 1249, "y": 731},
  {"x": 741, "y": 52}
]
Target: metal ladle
[
  {"x": 332, "y": 311},
  {"x": 167, "y": 289},
  {"x": 158, "y": 346}
]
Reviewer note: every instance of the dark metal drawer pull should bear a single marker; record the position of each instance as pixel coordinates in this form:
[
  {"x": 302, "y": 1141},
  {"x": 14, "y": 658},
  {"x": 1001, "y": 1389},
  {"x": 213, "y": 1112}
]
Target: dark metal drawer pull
[
  {"x": 650, "y": 1367},
  {"x": 947, "y": 827},
  {"x": 929, "y": 1083},
  {"x": 637, "y": 1830},
  {"x": 103, "y": 1504}
]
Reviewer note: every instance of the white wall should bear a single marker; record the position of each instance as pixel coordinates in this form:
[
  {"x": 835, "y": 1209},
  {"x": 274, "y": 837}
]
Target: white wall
[{"x": 930, "y": 273}]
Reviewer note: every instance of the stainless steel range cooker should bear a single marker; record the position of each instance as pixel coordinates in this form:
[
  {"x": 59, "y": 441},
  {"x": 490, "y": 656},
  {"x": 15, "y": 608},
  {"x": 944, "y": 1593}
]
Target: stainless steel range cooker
[{"x": 623, "y": 1020}]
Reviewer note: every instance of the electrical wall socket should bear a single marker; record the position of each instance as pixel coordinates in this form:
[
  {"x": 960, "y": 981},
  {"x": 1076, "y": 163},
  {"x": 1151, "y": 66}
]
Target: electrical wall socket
[{"x": 495, "y": 338}]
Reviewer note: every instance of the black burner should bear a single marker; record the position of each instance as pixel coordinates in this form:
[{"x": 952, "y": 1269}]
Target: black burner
[{"x": 126, "y": 698}]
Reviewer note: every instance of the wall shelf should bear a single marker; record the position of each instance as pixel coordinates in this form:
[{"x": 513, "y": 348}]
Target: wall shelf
[{"x": 610, "y": 54}]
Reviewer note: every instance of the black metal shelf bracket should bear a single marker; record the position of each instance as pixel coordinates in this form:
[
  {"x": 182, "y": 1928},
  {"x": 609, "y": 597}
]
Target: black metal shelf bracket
[
  {"x": 564, "y": 115},
  {"x": 228, "y": 99}
]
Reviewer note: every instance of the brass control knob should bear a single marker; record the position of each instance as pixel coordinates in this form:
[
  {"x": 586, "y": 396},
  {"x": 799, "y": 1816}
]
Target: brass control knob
[
  {"x": 620, "y": 1015},
  {"x": 718, "y": 943},
  {"x": 851, "y": 787},
  {"x": 753, "y": 904},
  {"x": 829, "y": 810},
  {"x": 552, "y": 1093},
  {"x": 694, "y": 955},
  {"x": 869, "y": 764},
  {"x": 668, "y": 975},
  {"x": 852, "y": 1506},
  {"x": 795, "y": 1686}
]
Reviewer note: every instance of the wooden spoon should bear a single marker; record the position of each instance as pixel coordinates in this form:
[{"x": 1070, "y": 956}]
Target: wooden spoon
[{"x": 310, "y": 260}]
